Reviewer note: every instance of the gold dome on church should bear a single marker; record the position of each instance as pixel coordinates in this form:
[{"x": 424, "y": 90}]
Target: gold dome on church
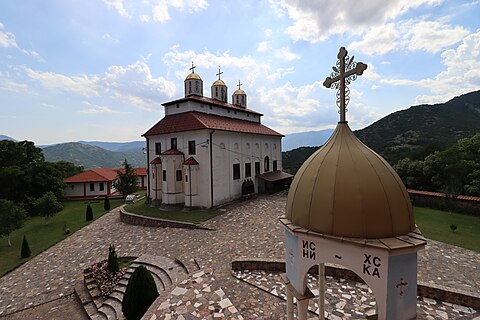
[
  {"x": 193, "y": 76},
  {"x": 346, "y": 189},
  {"x": 219, "y": 83},
  {"x": 239, "y": 91}
]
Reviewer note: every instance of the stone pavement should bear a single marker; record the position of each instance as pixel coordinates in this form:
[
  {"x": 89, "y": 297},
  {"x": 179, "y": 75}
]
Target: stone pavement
[{"x": 246, "y": 230}]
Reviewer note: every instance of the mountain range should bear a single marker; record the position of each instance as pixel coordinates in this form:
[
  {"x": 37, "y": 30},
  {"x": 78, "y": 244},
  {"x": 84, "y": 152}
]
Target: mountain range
[{"x": 414, "y": 132}]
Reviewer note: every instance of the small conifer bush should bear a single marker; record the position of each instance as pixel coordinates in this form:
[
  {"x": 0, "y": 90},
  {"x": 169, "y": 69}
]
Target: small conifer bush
[
  {"x": 89, "y": 213},
  {"x": 140, "y": 293},
  {"x": 25, "y": 248},
  {"x": 112, "y": 260},
  {"x": 106, "y": 204}
]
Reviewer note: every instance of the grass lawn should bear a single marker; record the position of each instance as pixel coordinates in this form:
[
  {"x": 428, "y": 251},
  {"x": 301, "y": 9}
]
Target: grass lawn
[
  {"x": 41, "y": 236},
  {"x": 435, "y": 224},
  {"x": 194, "y": 216}
]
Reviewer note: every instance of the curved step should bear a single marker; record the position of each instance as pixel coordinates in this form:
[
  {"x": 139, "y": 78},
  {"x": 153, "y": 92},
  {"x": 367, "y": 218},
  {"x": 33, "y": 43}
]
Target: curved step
[
  {"x": 108, "y": 311},
  {"x": 161, "y": 273},
  {"x": 115, "y": 304}
]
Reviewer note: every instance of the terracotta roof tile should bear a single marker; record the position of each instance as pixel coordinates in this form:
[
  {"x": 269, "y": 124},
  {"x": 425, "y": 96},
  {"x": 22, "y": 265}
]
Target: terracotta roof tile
[
  {"x": 172, "y": 152},
  {"x": 189, "y": 121},
  {"x": 190, "y": 161},
  {"x": 101, "y": 174},
  {"x": 442, "y": 195},
  {"x": 156, "y": 161}
]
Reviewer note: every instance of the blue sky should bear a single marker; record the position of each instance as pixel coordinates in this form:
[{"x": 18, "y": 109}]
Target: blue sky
[{"x": 100, "y": 69}]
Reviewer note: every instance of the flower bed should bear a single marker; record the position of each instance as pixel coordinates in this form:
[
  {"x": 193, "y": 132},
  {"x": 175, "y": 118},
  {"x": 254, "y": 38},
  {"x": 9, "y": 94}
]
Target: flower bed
[{"x": 105, "y": 279}]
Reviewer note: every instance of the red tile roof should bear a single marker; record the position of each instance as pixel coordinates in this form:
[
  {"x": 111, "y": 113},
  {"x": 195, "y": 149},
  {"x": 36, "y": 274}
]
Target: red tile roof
[
  {"x": 101, "y": 174},
  {"x": 156, "y": 161},
  {"x": 172, "y": 152},
  {"x": 211, "y": 101},
  {"x": 189, "y": 121},
  {"x": 94, "y": 175},
  {"x": 190, "y": 161},
  {"x": 439, "y": 194}
]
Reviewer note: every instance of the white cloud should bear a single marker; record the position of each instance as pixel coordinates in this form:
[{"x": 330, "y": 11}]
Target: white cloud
[
  {"x": 118, "y": 6},
  {"x": 160, "y": 11},
  {"x": 280, "y": 73},
  {"x": 462, "y": 73},
  {"x": 268, "y": 32},
  {"x": 262, "y": 46},
  {"x": 110, "y": 39},
  {"x": 13, "y": 86},
  {"x": 96, "y": 109},
  {"x": 285, "y": 54},
  {"x": 429, "y": 36},
  {"x": 133, "y": 84},
  {"x": 315, "y": 21},
  {"x": 7, "y": 39}
]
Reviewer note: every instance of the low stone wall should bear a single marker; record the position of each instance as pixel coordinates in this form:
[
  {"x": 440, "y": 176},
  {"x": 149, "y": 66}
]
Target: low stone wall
[
  {"x": 138, "y": 220},
  {"x": 442, "y": 202},
  {"x": 423, "y": 290}
]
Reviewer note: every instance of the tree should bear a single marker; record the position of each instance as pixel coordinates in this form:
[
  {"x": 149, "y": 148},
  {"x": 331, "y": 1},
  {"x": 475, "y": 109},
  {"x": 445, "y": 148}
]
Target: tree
[
  {"x": 112, "y": 264},
  {"x": 89, "y": 213},
  {"x": 47, "y": 206},
  {"x": 126, "y": 182},
  {"x": 12, "y": 217},
  {"x": 140, "y": 293},
  {"x": 106, "y": 204},
  {"x": 25, "y": 248}
]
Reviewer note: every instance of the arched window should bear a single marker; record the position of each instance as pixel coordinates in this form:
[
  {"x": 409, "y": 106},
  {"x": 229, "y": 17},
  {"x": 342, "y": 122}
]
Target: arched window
[
  {"x": 189, "y": 87},
  {"x": 266, "y": 164}
]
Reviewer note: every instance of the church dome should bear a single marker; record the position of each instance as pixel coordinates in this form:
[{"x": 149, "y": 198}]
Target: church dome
[
  {"x": 346, "y": 189},
  {"x": 239, "y": 91},
  {"x": 219, "y": 83},
  {"x": 193, "y": 76}
]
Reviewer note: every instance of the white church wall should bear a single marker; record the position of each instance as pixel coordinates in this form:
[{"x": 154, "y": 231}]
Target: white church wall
[{"x": 188, "y": 106}]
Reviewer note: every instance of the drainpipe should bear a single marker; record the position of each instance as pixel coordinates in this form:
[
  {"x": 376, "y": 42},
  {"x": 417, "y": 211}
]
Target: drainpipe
[
  {"x": 148, "y": 171},
  {"x": 211, "y": 168}
]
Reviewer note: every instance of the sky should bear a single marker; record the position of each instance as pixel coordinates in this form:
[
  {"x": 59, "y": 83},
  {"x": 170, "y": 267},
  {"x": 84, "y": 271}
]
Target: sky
[{"x": 100, "y": 69}]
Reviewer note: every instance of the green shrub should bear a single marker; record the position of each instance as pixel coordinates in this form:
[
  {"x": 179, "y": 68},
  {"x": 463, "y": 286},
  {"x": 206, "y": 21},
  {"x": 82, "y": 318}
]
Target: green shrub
[
  {"x": 112, "y": 260},
  {"x": 89, "y": 213},
  {"x": 453, "y": 227},
  {"x": 106, "y": 204},
  {"x": 140, "y": 293},
  {"x": 25, "y": 248}
]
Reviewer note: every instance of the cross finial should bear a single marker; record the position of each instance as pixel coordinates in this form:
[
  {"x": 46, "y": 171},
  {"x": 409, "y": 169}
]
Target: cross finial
[
  {"x": 344, "y": 72},
  {"x": 239, "y": 84},
  {"x": 192, "y": 68},
  {"x": 219, "y": 73}
]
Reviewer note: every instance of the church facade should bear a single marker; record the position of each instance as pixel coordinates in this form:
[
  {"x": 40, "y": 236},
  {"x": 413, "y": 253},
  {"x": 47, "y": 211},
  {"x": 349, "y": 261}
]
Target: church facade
[{"x": 206, "y": 151}]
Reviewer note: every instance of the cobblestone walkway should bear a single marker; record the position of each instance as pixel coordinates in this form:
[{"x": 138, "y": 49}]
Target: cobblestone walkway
[{"x": 249, "y": 229}]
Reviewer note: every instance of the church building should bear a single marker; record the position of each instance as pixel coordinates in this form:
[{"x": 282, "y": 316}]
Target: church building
[{"x": 206, "y": 151}]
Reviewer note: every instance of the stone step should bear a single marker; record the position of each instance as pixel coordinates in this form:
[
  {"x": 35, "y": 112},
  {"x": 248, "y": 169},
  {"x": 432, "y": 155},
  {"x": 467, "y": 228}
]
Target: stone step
[
  {"x": 189, "y": 265},
  {"x": 99, "y": 316},
  {"x": 82, "y": 293},
  {"x": 108, "y": 311},
  {"x": 115, "y": 304},
  {"x": 162, "y": 279},
  {"x": 90, "y": 308}
]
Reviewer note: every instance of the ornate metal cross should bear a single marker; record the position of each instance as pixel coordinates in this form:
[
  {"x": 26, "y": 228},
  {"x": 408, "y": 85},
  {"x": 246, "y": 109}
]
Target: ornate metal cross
[
  {"x": 401, "y": 284},
  {"x": 192, "y": 68},
  {"x": 239, "y": 84},
  {"x": 344, "y": 72},
  {"x": 219, "y": 73}
]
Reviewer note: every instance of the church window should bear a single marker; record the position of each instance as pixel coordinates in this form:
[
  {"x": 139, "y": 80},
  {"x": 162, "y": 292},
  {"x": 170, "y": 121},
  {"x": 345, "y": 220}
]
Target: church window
[
  {"x": 248, "y": 169},
  {"x": 275, "y": 165},
  {"x": 173, "y": 143},
  {"x": 186, "y": 178},
  {"x": 243, "y": 100},
  {"x": 247, "y": 145},
  {"x": 153, "y": 175},
  {"x": 266, "y": 146},
  {"x": 266, "y": 164},
  {"x": 179, "y": 175},
  {"x": 257, "y": 167},
  {"x": 178, "y": 106},
  {"x": 196, "y": 86},
  {"x": 236, "y": 171},
  {"x": 211, "y": 107},
  {"x": 235, "y": 112},
  {"x": 72, "y": 186},
  {"x": 237, "y": 100},
  {"x": 248, "y": 115},
  {"x": 164, "y": 175},
  {"x": 92, "y": 187},
  {"x": 101, "y": 186},
  {"x": 158, "y": 148},
  {"x": 228, "y": 111},
  {"x": 189, "y": 87},
  {"x": 216, "y": 91},
  {"x": 191, "y": 147}
]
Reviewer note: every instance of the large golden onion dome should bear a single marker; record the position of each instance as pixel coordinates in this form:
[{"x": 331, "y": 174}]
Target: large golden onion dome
[
  {"x": 346, "y": 189},
  {"x": 193, "y": 76},
  {"x": 239, "y": 91},
  {"x": 219, "y": 83}
]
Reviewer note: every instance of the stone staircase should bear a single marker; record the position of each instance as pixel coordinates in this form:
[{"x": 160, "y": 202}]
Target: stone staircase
[{"x": 165, "y": 271}]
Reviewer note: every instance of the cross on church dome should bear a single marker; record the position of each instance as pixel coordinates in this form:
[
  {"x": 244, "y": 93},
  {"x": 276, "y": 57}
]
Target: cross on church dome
[{"x": 344, "y": 72}]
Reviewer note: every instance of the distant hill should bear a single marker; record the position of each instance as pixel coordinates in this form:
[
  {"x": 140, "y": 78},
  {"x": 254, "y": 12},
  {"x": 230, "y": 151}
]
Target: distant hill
[
  {"x": 2, "y": 137},
  {"x": 305, "y": 139},
  {"x": 90, "y": 156},
  {"x": 117, "y": 146},
  {"x": 419, "y": 130},
  {"x": 415, "y": 132}
]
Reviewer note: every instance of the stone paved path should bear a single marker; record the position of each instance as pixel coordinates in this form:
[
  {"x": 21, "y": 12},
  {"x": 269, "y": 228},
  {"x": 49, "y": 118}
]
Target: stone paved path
[{"x": 249, "y": 229}]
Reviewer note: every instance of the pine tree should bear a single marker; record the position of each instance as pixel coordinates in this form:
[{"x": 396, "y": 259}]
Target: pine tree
[
  {"x": 126, "y": 182},
  {"x": 89, "y": 213},
  {"x": 25, "y": 248},
  {"x": 112, "y": 260},
  {"x": 140, "y": 293},
  {"x": 106, "y": 204}
]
